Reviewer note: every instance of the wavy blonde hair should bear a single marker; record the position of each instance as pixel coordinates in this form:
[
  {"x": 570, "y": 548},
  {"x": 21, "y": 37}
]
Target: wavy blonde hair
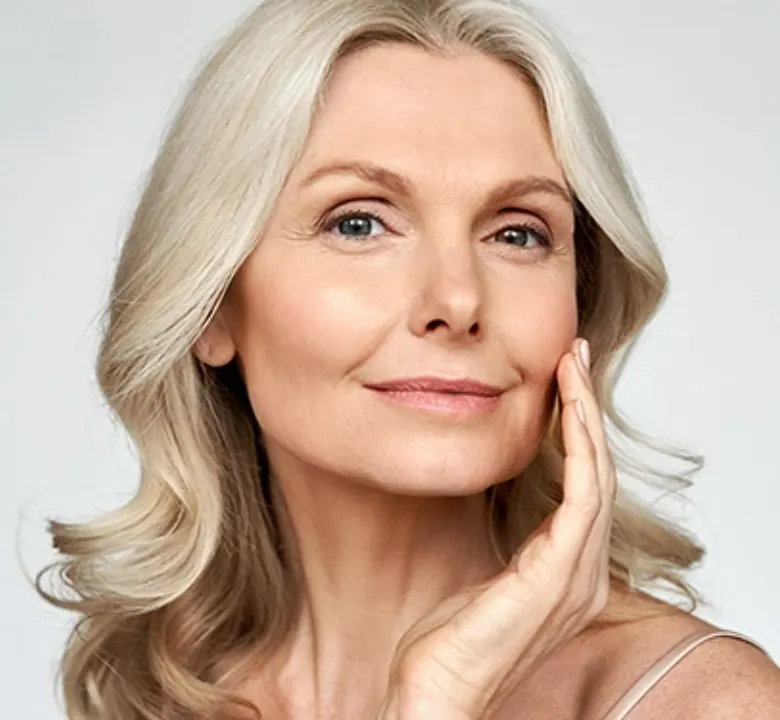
[{"x": 186, "y": 585}]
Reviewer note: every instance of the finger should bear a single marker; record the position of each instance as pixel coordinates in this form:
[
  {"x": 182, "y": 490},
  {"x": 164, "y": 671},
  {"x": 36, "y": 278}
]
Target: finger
[
  {"x": 595, "y": 558},
  {"x": 575, "y": 519},
  {"x": 582, "y": 523},
  {"x": 574, "y": 382},
  {"x": 606, "y": 469},
  {"x": 572, "y": 385}
]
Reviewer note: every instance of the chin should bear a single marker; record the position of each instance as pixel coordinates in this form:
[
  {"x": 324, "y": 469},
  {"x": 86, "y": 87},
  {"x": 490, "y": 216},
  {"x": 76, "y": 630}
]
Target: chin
[{"x": 438, "y": 475}]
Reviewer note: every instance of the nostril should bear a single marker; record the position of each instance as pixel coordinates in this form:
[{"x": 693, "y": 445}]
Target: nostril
[
  {"x": 435, "y": 324},
  {"x": 474, "y": 329}
]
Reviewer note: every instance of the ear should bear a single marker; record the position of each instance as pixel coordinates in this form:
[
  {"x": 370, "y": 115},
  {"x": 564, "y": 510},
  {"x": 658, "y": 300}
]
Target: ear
[{"x": 215, "y": 345}]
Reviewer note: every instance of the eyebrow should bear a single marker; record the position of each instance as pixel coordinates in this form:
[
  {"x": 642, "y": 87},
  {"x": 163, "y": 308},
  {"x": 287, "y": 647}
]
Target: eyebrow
[{"x": 373, "y": 173}]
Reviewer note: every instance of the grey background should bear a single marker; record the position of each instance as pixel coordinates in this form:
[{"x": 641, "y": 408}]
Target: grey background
[{"x": 692, "y": 90}]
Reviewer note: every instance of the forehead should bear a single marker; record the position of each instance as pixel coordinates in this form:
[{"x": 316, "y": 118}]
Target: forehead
[{"x": 399, "y": 105}]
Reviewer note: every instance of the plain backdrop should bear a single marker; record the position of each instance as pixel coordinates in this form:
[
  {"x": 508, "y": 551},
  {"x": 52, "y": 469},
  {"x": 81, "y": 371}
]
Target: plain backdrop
[{"x": 693, "y": 93}]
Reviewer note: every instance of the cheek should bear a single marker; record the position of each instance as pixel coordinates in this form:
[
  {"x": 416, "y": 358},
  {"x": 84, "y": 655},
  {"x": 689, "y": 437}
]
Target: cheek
[
  {"x": 301, "y": 330},
  {"x": 543, "y": 324}
]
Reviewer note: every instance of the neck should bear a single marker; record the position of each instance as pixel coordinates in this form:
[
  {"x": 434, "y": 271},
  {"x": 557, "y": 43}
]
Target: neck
[{"x": 370, "y": 563}]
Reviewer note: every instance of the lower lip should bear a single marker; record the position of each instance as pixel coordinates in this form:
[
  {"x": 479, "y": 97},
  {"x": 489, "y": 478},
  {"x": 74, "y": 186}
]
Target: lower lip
[{"x": 443, "y": 403}]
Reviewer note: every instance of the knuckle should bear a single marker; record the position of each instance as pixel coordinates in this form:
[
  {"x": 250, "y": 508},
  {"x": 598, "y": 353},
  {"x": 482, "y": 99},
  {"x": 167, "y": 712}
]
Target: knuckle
[{"x": 592, "y": 503}]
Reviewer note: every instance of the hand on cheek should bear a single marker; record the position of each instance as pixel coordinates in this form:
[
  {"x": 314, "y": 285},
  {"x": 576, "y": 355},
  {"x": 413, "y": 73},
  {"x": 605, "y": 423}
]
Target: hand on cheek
[
  {"x": 461, "y": 660},
  {"x": 576, "y": 388}
]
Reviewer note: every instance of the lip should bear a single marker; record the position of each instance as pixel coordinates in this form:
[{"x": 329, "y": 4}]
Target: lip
[
  {"x": 454, "y": 398},
  {"x": 429, "y": 384}
]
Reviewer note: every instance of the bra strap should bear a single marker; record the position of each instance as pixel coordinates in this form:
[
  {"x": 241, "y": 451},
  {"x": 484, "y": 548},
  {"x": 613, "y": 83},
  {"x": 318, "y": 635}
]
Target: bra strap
[{"x": 664, "y": 665}]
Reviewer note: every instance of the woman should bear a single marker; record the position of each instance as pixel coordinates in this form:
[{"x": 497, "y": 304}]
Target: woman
[{"x": 365, "y": 325}]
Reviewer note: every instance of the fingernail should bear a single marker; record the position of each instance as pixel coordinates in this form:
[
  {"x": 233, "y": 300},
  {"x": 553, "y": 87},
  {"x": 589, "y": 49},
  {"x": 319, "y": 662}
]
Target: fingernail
[{"x": 585, "y": 355}]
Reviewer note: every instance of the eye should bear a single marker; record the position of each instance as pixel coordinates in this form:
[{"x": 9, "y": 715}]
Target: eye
[
  {"x": 357, "y": 224},
  {"x": 354, "y": 224},
  {"x": 523, "y": 236}
]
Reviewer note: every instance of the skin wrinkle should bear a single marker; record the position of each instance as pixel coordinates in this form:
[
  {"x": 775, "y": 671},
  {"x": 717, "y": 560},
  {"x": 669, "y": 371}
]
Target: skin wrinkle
[
  {"x": 385, "y": 501},
  {"x": 371, "y": 172}
]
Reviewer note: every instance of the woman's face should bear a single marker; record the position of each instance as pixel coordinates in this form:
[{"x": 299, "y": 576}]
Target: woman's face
[{"x": 425, "y": 233}]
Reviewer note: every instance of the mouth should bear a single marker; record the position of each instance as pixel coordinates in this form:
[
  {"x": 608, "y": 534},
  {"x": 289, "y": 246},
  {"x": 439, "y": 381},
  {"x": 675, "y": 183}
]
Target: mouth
[{"x": 461, "y": 397}]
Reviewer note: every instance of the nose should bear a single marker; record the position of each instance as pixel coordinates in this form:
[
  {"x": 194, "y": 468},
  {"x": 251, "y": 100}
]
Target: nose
[{"x": 449, "y": 299}]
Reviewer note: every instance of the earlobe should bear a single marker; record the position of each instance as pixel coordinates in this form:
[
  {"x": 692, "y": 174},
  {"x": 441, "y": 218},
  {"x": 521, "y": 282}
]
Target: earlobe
[{"x": 215, "y": 346}]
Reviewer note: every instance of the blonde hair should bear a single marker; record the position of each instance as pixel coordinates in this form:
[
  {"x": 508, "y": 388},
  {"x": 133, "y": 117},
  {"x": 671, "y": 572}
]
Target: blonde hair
[{"x": 187, "y": 584}]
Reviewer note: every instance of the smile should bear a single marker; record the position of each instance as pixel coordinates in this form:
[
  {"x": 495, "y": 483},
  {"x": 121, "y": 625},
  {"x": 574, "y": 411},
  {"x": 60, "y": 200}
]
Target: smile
[
  {"x": 442, "y": 402},
  {"x": 441, "y": 396}
]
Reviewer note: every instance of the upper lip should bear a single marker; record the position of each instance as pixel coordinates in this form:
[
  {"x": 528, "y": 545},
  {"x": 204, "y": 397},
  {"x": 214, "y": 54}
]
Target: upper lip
[{"x": 430, "y": 384}]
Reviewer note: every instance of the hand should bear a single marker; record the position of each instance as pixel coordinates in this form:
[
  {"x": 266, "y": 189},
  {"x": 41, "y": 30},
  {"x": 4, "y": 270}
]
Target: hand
[{"x": 462, "y": 660}]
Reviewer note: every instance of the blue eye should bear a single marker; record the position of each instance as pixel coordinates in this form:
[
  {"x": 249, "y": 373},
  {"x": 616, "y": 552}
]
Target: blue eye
[
  {"x": 355, "y": 224},
  {"x": 362, "y": 224},
  {"x": 523, "y": 235}
]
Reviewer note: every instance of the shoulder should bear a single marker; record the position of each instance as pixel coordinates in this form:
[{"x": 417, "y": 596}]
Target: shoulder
[
  {"x": 728, "y": 678},
  {"x": 723, "y": 677}
]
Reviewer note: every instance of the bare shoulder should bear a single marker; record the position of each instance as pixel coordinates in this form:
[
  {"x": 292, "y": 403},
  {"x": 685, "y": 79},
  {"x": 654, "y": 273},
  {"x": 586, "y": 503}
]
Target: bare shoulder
[
  {"x": 721, "y": 678},
  {"x": 730, "y": 679}
]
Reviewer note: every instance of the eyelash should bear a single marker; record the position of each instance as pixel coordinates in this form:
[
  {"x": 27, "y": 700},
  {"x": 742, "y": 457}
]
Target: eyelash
[{"x": 329, "y": 223}]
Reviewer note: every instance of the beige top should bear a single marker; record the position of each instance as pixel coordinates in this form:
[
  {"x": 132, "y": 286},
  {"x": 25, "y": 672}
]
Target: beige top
[{"x": 664, "y": 665}]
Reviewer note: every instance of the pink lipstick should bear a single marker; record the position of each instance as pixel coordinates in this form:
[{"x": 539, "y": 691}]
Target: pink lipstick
[{"x": 441, "y": 395}]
